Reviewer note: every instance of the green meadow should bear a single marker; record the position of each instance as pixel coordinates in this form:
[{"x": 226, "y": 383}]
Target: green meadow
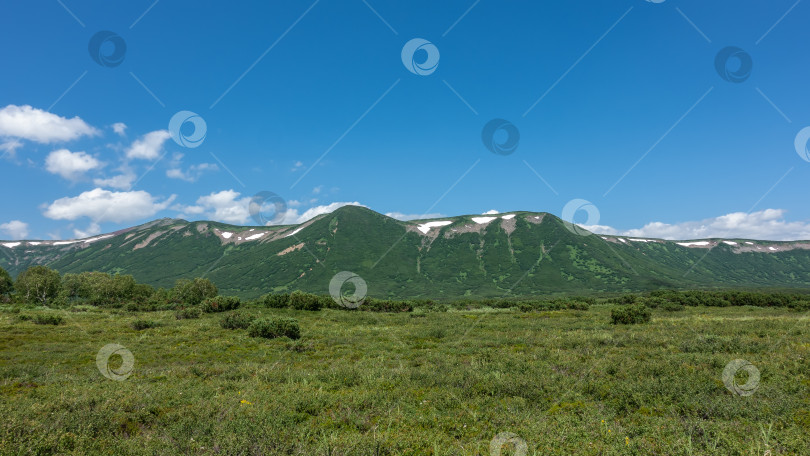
[{"x": 459, "y": 382}]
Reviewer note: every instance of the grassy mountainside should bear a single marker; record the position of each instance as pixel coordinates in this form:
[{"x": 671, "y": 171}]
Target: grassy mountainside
[{"x": 527, "y": 254}]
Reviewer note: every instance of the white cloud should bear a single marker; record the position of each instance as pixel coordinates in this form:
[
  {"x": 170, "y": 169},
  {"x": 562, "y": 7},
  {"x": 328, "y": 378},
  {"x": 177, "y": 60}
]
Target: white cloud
[
  {"x": 225, "y": 206},
  {"x": 230, "y": 206},
  {"x": 120, "y": 128},
  {"x": 16, "y": 229},
  {"x": 101, "y": 205},
  {"x": 26, "y": 122},
  {"x": 317, "y": 189},
  {"x": 70, "y": 165},
  {"x": 298, "y": 165},
  {"x": 491, "y": 212},
  {"x": 292, "y": 217},
  {"x": 119, "y": 182},
  {"x": 406, "y": 217},
  {"x": 148, "y": 146},
  {"x": 92, "y": 230},
  {"x": 9, "y": 147},
  {"x": 768, "y": 224},
  {"x": 193, "y": 173}
]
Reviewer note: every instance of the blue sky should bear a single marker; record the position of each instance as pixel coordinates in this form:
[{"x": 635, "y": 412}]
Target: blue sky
[{"x": 311, "y": 101}]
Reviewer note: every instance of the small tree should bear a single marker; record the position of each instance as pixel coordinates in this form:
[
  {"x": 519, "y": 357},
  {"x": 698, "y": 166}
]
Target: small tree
[
  {"x": 304, "y": 301},
  {"x": 38, "y": 284},
  {"x": 6, "y": 285},
  {"x": 192, "y": 292}
]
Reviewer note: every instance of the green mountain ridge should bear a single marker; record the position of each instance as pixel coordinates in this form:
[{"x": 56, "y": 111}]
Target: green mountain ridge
[{"x": 510, "y": 254}]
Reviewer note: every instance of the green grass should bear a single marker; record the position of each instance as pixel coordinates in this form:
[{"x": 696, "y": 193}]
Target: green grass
[{"x": 422, "y": 383}]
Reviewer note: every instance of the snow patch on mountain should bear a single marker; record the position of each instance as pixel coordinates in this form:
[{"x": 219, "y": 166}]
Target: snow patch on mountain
[{"x": 424, "y": 228}]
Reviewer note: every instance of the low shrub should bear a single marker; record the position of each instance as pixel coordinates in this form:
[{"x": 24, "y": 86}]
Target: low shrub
[
  {"x": 385, "y": 305},
  {"x": 271, "y": 328},
  {"x": 48, "y": 319},
  {"x": 188, "y": 313},
  {"x": 237, "y": 321},
  {"x": 655, "y": 302},
  {"x": 275, "y": 301},
  {"x": 305, "y": 301},
  {"x": 630, "y": 315},
  {"x": 801, "y": 306},
  {"x": 552, "y": 304},
  {"x": 221, "y": 304},
  {"x": 672, "y": 307},
  {"x": 139, "y": 325}
]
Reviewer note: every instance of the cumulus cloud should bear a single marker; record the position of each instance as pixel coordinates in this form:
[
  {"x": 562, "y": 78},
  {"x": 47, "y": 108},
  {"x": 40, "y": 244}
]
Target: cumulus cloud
[
  {"x": 70, "y": 165},
  {"x": 119, "y": 128},
  {"x": 148, "y": 146},
  {"x": 768, "y": 224},
  {"x": 101, "y": 205},
  {"x": 491, "y": 212},
  {"x": 230, "y": 206},
  {"x": 119, "y": 182},
  {"x": 26, "y": 122},
  {"x": 406, "y": 217},
  {"x": 15, "y": 229}
]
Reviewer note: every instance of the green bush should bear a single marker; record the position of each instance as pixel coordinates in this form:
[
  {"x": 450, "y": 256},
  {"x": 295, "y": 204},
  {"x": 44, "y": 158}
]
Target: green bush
[
  {"x": 305, "y": 301},
  {"x": 139, "y": 325},
  {"x": 38, "y": 284},
  {"x": 48, "y": 319},
  {"x": 275, "y": 301},
  {"x": 385, "y": 305},
  {"x": 672, "y": 307},
  {"x": 801, "y": 306},
  {"x": 188, "y": 313},
  {"x": 237, "y": 321},
  {"x": 630, "y": 315},
  {"x": 6, "y": 284},
  {"x": 270, "y": 328},
  {"x": 221, "y": 304},
  {"x": 655, "y": 302},
  {"x": 193, "y": 292}
]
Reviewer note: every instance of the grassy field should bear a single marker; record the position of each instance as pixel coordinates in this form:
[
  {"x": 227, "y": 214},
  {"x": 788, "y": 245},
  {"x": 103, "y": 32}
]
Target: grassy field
[{"x": 443, "y": 383}]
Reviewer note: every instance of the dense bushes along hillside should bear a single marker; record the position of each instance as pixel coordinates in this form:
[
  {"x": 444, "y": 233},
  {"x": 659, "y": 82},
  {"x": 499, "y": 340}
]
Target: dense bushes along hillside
[{"x": 40, "y": 285}]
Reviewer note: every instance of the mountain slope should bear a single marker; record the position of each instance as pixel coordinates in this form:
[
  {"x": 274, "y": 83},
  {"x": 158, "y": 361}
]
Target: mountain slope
[{"x": 521, "y": 253}]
